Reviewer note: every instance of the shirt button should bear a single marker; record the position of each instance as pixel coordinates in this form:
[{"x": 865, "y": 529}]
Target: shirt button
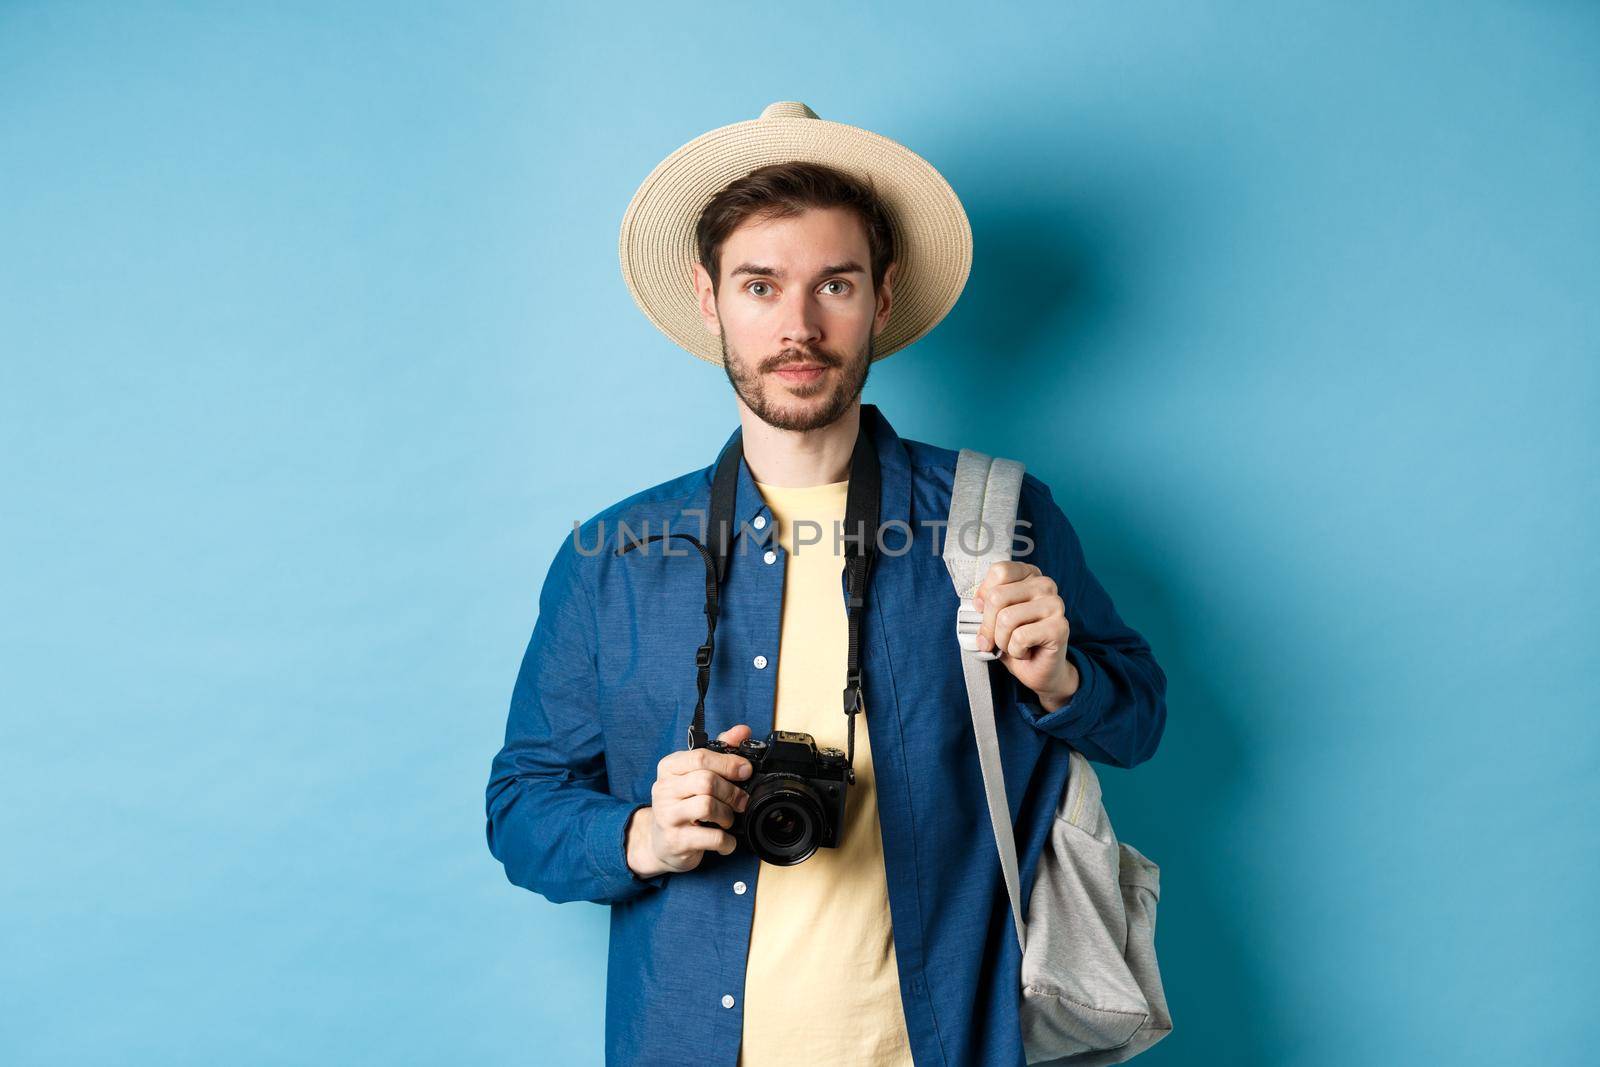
[
  {"x": 759, "y": 522},
  {"x": 770, "y": 557},
  {"x": 727, "y": 1000},
  {"x": 761, "y": 663},
  {"x": 739, "y": 887}
]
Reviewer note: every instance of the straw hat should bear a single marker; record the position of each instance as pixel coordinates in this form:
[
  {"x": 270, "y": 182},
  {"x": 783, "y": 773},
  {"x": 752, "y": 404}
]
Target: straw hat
[{"x": 933, "y": 240}]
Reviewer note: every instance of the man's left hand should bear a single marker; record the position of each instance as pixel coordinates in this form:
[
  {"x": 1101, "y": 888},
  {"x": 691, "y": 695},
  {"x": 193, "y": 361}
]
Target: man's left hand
[{"x": 1026, "y": 620}]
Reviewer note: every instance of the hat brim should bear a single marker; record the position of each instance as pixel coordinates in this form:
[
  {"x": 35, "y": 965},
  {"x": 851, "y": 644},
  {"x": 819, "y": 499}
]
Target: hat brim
[{"x": 933, "y": 239}]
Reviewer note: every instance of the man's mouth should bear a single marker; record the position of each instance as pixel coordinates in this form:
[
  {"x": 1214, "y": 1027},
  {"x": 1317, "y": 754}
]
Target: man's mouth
[{"x": 801, "y": 372}]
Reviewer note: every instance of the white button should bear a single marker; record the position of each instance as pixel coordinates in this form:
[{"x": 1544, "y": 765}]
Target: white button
[
  {"x": 759, "y": 522},
  {"x": 761, "y": 663},
  {"x": 770, "y": 556},
  {"x": 727, "y": 1000},
  {"x": 739, "y": 887}
]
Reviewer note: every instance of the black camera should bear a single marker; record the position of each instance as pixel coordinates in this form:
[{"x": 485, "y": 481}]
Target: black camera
[{"x": 797, "y": 795}]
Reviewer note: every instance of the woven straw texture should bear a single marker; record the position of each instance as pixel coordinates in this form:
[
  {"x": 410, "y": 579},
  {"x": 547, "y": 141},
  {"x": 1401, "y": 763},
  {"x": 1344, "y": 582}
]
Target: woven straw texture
[{"x": 932, "y": 235}]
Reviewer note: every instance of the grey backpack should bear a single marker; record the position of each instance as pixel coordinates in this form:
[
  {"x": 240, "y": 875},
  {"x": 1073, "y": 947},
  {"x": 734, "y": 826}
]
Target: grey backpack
[{"x": 1091, "y": 989}]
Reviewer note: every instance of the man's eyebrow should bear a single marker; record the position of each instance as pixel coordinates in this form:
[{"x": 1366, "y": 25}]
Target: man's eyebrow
[{"x": 847, "y": 267}]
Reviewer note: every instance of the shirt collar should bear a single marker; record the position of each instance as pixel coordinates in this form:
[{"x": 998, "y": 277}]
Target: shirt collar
[{"x": 894, "y": 466}]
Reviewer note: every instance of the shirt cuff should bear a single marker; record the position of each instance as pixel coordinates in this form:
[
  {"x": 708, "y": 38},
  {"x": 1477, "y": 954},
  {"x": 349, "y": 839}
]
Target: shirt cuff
[
  {"x": 608, "y": 852},
  {"x": 1084, "y": 707}
]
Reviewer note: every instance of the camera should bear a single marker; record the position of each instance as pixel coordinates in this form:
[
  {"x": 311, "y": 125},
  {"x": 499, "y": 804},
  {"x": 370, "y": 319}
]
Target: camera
[{"x": 797, "y": 794}]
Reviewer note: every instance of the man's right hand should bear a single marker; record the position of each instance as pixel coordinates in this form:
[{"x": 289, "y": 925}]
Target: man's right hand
[{"x": 691, "y": 785}]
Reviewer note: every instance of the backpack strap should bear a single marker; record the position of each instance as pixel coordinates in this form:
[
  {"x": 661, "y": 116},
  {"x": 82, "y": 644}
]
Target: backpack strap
[{"x": 983, "y": 513}]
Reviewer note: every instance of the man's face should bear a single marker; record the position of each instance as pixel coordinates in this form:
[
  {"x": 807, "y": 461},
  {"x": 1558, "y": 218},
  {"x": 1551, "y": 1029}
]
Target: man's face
[{"x": 797, "y": 315}]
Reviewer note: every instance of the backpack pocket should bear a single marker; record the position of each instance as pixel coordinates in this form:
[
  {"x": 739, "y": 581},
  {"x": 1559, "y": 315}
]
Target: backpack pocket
[
  {"x": 1091, "y": 992},
  {"x": 1078, "y": 993}
]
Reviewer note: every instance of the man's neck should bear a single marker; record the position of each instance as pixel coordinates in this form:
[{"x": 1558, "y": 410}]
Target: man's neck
[{"x": 792, "y": 459}]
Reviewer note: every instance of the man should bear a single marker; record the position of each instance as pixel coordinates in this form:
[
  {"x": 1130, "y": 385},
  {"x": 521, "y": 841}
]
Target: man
[{"x": 835, "y": 248}]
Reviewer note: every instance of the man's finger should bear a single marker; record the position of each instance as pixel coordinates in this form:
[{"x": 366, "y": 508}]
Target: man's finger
[
  {"x": 1002, "y": 584},
  {"x": 702, "y": 782},
  {"x": 1008, "y": 583},
  {"x": 735, "y": 735},
  {"x": 704, "y": 810},
  {"x": 707, "y": 839},
  {"x": 1004, "y": 572},
  {"x": 1048, "y": 633},
  {"x": 1012, "y": 616},
  {"x": 724, "y": 763}
]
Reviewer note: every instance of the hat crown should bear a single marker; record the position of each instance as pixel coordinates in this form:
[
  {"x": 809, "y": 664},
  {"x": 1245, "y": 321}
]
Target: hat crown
[{"x": 787, "y": 109}]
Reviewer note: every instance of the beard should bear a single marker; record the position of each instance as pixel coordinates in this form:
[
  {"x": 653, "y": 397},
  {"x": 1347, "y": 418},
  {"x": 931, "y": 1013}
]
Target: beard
[{"x": 820, "y": 403}]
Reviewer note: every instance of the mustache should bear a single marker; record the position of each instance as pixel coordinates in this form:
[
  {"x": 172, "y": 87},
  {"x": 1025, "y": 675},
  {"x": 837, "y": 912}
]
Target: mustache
[{"x": 790, "y": 355}]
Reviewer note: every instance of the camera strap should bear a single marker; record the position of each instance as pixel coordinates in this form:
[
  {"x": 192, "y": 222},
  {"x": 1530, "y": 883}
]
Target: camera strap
[
  {"x": 860, "y": 541},
  {"x": 860, "y": 549}
]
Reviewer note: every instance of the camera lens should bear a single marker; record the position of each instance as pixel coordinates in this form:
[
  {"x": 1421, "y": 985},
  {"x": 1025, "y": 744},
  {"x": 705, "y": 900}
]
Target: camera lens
[
  {"x": 784, "y": 821},
  {"x": 782, "y": 825}
]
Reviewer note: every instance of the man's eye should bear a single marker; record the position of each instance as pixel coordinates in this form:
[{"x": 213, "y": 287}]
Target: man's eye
[
  {"x": 845, "y": 286},
  {"x": 752, "y": 287}
]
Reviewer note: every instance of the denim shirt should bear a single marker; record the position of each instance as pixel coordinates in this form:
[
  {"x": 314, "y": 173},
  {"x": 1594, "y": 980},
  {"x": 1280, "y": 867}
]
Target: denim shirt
[{"x": 607, "y": 688}]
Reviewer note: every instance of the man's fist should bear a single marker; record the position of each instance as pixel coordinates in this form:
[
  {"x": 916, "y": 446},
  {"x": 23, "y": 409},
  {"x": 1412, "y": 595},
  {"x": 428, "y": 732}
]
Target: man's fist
[
  {"x": 1026, "y": 621},
  {"x": 692, "y": 785}
]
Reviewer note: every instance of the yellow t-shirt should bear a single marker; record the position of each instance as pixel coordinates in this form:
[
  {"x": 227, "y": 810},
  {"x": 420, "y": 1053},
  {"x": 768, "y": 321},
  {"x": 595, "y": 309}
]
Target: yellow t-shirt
[{"x": 820, "y": 981}]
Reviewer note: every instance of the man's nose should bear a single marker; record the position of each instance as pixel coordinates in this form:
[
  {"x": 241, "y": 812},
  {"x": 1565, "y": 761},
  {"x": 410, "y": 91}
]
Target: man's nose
[{"x": 801, "y": 321}]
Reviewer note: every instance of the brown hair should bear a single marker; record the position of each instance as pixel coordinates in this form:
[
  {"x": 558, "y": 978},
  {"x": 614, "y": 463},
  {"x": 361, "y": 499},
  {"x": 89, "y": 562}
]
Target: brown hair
[{"x": 783, "y": 190}]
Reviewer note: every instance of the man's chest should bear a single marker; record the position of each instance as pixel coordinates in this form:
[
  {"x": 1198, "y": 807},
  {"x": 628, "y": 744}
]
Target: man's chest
[{"x": 780, "y": 622}]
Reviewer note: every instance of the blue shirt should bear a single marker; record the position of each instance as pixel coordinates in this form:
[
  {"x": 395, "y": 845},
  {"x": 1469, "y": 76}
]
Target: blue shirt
[{"x": 607, "y": 688}]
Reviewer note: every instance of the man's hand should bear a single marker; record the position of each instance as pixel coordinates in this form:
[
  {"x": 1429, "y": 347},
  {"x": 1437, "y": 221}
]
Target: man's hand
[
  {"x": 691, "y": 785},
  {"x": 1026, "y": 620}
]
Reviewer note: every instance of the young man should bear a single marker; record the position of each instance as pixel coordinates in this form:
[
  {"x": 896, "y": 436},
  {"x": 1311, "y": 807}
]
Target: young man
[{"x": 895, "y": 945}]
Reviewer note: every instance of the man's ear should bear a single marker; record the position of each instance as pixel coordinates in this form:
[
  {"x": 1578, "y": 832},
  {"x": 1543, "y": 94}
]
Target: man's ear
[
  {"x": 885, "y": 298},
  {"x": 708, "y": 300}
]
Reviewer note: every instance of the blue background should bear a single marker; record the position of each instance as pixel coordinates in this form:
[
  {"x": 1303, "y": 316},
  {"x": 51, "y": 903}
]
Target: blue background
[{"x": 313, "y": 345}]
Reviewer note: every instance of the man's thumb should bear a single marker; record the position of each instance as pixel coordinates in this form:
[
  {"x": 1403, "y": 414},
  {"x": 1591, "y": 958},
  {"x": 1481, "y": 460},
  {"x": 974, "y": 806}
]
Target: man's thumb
[{"x": 734, "y": 735}]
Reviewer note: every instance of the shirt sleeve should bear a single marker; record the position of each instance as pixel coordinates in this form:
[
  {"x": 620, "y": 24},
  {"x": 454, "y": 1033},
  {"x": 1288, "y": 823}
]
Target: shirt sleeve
[
  {"x": 552, "y": 820},
  {"x": 1119, "y": 711}
]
